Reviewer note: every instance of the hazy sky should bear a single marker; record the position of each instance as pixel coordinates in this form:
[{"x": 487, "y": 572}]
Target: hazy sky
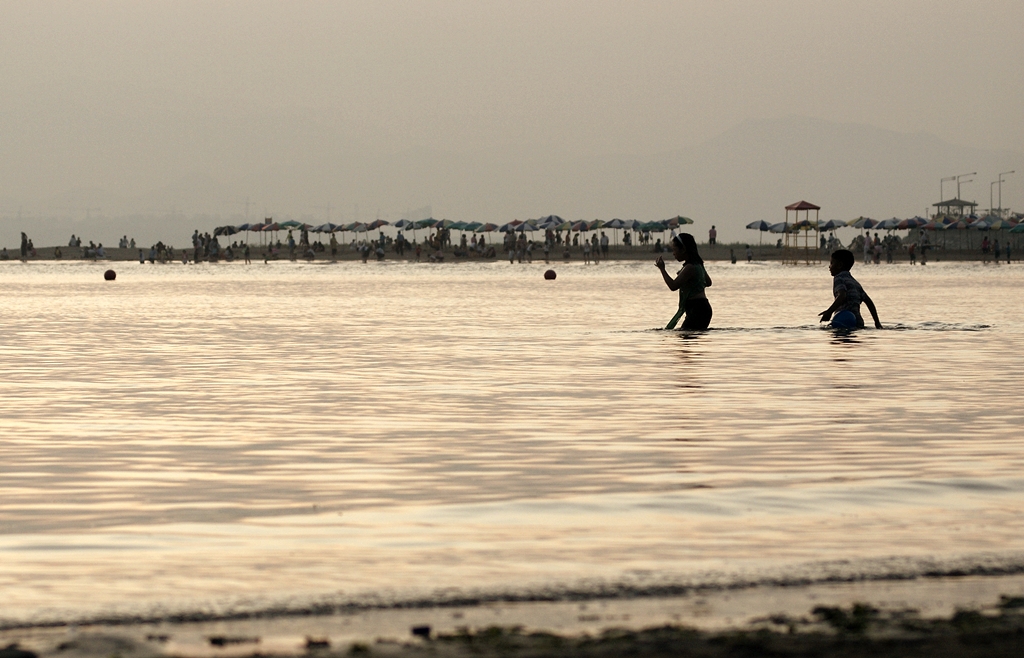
[{"x": 123, "y": 94}]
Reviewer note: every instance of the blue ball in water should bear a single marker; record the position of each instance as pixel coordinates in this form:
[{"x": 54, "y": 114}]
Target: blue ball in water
[
  {"x": 550, "y": 275},
  {"x": 110, "y": 275},
  {"x": 844, "y": 320}
]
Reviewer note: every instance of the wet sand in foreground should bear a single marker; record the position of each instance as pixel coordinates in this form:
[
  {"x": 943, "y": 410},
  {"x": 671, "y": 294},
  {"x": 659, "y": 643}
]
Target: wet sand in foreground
[{"x": 958, "y": 616}]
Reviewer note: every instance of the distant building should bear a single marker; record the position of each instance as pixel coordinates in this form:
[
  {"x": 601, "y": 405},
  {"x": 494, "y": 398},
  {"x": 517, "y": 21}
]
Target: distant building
[{"x": 955, "y": 207}]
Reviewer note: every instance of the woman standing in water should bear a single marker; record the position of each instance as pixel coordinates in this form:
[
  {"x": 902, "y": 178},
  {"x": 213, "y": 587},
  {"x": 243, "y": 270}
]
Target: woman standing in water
[{"x": 690, "y": 282}]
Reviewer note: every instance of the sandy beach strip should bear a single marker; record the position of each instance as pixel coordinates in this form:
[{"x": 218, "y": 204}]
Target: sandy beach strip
[
  {"x": 715, "y": 253},
  {"x": 948, "y": 616}
]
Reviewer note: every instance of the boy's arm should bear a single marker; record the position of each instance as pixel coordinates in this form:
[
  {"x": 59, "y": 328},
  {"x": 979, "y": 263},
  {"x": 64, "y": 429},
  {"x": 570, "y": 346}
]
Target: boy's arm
[
  {"x": 871, "y": 307},
  {"x": 840, "y": 299}
]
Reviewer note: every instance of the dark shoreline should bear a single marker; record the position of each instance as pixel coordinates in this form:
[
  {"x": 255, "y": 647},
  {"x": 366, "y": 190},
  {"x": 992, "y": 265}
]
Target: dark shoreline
[
  {"x": 850, "y": 631},
  {"x": 717, "y": 253}
]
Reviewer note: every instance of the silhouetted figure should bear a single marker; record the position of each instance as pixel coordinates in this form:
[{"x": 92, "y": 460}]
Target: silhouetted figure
[
  {"x": 848, "y": 295},
  {"x": 24, "y": 246},
  {"x": 690, "y": 281}
]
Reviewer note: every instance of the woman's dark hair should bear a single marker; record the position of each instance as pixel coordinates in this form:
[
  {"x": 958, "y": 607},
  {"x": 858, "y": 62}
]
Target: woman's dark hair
[
  {"x": 686, "y": 242},
  {"x": 845, "y": 258}
]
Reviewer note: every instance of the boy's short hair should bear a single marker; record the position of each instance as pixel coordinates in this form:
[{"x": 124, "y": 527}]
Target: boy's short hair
[{"x": 845, "y": 258}]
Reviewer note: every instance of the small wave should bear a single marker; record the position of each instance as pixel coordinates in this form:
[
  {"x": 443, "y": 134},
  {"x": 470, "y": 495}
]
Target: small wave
[
  {"x": 896, "y": 326},
  {"x": 631, "y": 585}
]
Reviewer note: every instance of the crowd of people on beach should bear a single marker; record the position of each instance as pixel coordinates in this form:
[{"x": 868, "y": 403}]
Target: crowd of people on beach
[{"x": 517, "y": 244}]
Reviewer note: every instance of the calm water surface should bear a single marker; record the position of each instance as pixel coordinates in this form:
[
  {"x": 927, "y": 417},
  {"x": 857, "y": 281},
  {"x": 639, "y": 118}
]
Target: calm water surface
[{"x": 223, "y": 437}]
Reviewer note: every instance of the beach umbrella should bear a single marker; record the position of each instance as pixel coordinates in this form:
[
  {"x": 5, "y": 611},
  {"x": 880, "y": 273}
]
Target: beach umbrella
[
  {"x": 596, "y": 224},
  {"x": 487, "y": 228},
  {"x": 1000, "y": 224},
  {"x": 979, "y": 225},
  {"x": 863, "y": 223},
  {"x": 781, "y": 227},
  {"x": 550, "y": 221},
  {"x": 831, "y": 225},
  {"x": 526, "y": 227},
  {"x": 425, "y": 223},
  {"x": 225, "y": 230},
  {"x": 890, "y": 224},
  {"x": 1019, "y": 228},
  {"x": 291, "y": 223},
  {"x": 677, "y": 221},
  {"x": 760, "y": 226},
  {"x": 268, "y": 227},
  {"x": 956, "y": 225},
  {"x": 403, "y": 223},
  {"x": 580, "y": 226},
  {"x": 615, "y": 225}
]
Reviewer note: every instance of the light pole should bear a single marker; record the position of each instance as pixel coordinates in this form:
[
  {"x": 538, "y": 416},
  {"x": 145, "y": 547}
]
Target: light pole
[
  {"x": 990, "y": 186},
  {"x": 958, "y": 181},
  {"x": 1005, "y": 173},
  {"x": 941, "y": 182}
]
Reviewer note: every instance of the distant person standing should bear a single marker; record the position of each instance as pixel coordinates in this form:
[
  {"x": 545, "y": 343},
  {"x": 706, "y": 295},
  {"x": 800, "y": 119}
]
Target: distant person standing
[
  {"x": 713, "y": 235},
  {"x": 750, "y": 254},
  {"x": 24, "y": 246},
  {"x": 1007, "y": 253},
  {"x": 604, "y": 245}
]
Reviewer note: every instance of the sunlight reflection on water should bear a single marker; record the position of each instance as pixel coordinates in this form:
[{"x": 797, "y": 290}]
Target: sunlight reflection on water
[{"x": 198, "y": 436}]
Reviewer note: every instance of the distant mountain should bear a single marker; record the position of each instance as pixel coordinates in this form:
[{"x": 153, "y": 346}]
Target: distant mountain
[{"x": 749, "y": 172}]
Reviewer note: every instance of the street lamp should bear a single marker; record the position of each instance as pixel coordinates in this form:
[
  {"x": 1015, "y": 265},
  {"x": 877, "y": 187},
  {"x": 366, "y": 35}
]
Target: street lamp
[
  {"x": 941, "y": 181},
  {"x": 990, "y": 186},
  {"x": 958, "y": 181},
  {"x": 1005, "y": 173}
]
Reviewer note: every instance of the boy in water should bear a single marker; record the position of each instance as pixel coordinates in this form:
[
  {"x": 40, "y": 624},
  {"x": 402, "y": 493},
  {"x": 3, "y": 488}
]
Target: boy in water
[{"x": 848, "y": 294}]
